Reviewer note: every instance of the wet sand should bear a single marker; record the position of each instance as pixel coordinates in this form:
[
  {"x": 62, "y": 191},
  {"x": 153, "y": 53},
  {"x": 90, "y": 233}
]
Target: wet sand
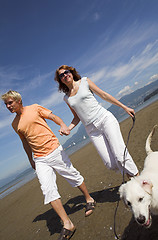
[{"x": 23, "y": 215}]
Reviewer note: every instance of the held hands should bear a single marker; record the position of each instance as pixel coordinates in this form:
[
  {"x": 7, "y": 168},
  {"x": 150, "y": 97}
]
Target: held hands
[{"x": 64, "y": 130}]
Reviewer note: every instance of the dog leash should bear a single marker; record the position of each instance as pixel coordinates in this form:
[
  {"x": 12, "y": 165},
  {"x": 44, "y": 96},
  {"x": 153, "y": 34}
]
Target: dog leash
[{"x": 133, "y": 118}]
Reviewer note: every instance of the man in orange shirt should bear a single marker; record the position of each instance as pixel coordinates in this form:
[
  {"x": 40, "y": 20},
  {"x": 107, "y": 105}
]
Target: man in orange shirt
[{"x": 46, "y": 155}]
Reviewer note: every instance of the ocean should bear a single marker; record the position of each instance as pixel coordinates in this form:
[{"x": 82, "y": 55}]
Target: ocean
[{"x": 29, "y": 174}]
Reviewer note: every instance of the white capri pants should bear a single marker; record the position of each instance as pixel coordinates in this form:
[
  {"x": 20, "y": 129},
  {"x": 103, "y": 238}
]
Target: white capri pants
[
  {"x": 45, "y": 170},
  {"x": 107, "y": 138}
]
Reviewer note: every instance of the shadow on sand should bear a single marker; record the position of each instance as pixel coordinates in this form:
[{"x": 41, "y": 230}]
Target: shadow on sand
[
  {"x": 74, "y": 205},
  {"x": 132, "y": 232},
  {"x": 136, "y": 232}
]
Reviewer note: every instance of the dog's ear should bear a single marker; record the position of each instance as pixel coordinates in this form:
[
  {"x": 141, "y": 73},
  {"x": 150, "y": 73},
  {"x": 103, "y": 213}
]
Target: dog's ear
[
  {"x": 123, "y": 194},
  {"x": 147, "y": 186},
  {"x": 121, "y": 190}
]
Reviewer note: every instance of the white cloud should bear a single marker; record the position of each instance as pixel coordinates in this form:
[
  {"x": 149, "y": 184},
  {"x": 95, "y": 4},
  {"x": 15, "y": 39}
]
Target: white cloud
[
  {"x": 133, "y": 71},
  {"x": 38, "y": 80},
  {"x": 137, "y": 64},
  {"x": 126, "y": 90},
  {"x": 148, "y": 61},
  {"x": 124, "y": 55},
  {"x": 9, "y": 76},
  {"x": 149, "y": 47},
  {"x": 154, "y": 77},
  {"x": 9, "y": 73},
  {"x": 98, "y": 75},
  {"x": 52, "y": 100}
]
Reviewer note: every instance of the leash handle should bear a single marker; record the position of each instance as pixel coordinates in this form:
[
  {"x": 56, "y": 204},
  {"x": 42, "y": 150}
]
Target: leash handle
[{"x": 133, "y": 117}]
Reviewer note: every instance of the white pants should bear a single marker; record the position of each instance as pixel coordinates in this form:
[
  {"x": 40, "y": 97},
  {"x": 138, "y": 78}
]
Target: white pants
[
  {"x": 46, "y": 167},
  {"x": 107, "y": 138}
]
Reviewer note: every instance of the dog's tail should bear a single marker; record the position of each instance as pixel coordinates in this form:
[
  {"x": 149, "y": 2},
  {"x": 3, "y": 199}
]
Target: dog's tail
[{"x": 148, "y": 141}]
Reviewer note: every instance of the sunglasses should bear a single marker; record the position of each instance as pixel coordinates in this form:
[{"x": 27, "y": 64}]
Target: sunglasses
[{"x": 62, "y": 74}]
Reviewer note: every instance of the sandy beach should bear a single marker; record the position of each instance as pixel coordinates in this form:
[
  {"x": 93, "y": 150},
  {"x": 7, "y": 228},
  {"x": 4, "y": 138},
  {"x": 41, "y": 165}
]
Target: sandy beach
[{"x": 25, "y": 217}]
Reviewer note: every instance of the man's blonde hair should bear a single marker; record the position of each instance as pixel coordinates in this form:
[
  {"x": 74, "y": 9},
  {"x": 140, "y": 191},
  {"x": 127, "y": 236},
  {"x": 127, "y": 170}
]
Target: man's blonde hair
[{"x": 13, "y": 94}]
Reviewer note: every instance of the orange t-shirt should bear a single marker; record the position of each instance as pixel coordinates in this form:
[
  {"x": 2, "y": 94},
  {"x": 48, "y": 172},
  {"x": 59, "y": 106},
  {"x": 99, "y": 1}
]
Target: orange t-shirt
[{"x": 32, "y": 125}]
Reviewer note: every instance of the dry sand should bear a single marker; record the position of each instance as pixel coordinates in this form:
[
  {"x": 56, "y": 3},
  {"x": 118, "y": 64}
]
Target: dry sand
[{"x": 24, "y": 217}]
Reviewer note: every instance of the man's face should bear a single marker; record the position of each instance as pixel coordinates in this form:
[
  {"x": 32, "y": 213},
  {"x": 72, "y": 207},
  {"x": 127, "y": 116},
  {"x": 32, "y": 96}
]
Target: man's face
[{"x": 12, "y": 105}]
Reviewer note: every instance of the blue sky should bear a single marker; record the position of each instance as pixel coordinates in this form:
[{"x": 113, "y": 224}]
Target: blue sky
[{"x": 113, "y": 42}]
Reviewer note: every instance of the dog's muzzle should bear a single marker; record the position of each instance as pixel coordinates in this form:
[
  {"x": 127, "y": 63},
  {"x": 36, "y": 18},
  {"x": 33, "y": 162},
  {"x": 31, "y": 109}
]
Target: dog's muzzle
[{"x": 142, "y": 220}]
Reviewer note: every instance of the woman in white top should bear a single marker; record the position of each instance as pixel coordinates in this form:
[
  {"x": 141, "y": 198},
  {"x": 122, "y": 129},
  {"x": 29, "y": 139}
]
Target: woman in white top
[{"x": 101, "y": 126}]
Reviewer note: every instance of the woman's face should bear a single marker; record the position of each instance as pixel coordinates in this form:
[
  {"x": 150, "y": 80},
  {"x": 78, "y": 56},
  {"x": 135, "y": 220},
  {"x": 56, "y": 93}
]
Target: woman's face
[{"x": 65, "y": 76}]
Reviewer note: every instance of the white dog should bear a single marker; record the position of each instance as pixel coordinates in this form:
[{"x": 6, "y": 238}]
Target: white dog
[{"x": 141, "y": 192}]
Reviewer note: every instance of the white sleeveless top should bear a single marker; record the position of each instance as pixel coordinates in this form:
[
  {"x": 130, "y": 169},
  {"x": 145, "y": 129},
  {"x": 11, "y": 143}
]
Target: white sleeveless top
[{"x": 85, "y": 104}]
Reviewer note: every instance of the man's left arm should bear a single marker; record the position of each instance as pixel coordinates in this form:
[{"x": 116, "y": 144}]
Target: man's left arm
[{"x": 63, "y": 128}]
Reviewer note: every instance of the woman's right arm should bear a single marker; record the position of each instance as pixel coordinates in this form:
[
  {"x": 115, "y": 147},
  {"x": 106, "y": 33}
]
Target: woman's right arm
[{"x": 75, "y": 120}]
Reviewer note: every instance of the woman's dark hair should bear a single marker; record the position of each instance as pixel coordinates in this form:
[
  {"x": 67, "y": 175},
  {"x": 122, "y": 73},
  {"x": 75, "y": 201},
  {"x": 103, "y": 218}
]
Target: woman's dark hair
[{"x": 62, "y": 86}]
